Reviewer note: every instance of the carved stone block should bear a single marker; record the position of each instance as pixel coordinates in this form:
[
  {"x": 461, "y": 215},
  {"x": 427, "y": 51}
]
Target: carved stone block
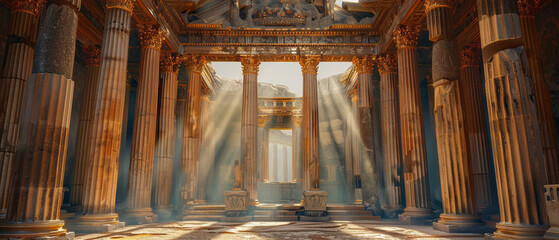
[
  {"x": 314, "y": 201},
  {"x": 552, "y": 204},
  {"x": 236, "y": 203}
]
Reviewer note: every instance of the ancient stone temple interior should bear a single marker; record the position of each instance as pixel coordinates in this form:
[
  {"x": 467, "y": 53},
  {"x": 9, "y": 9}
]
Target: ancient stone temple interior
[{"x": 436, "y": 119}]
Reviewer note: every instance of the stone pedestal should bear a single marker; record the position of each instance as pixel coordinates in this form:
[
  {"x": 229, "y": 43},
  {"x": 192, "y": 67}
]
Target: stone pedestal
[
  {"x": 236, "y": 203},
  {"x": 552, "y": 205},
  {"x": 314, "y": 204}
]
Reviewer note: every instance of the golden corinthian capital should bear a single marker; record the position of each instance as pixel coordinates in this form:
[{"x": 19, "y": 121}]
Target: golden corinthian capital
[
  {"x": 195, "y": 63},
  {"x": 406, "y": 36},
  {"x": 309, "y": 64},
  {"x": 29, "y": 6},
  {"x": 432, "y": 4},
  {"x": 387, "y": 63},
  {"x": 363, "y": 64},
  {"x": 250, "y": 64},
  {"x": 126, "y": 5},
  {"x": 151, "y": 36}
]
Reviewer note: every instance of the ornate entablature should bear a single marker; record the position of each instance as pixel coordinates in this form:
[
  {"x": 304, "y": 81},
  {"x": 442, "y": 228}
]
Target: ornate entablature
[{"x": 279, "y": 113}]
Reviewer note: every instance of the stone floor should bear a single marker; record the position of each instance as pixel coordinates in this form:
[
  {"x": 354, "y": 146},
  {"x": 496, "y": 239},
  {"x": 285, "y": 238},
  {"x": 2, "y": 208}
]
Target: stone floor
[{"x": 369, "y": 229}]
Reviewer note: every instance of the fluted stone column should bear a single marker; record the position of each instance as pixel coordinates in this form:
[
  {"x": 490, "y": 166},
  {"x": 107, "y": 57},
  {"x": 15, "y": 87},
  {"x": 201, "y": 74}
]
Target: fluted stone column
[
  {"x": 418, "y": 201},
  {"x": 390, "y": 130},
  {"x": 472, "y": 85},
  {"x": 190, "y": 147},
  {"x": 98, "y": 206},
  {"x": 138, "y": 202},
  {"x": 350, "y": 130},
  {"x": 527, "y": 10},
  {"x": 356, "y": 149},
  {"x": 264, "y": 148},
  {"x": 92, "y": 66},
  {"x": 38, "y": 169},
  {"x": 249, "y": 125},
  {"x": 284, "y": 165},
  {"x": 459, "y": 211},
  {"x": 20, "y": 48},
  {"x": 311, "y": 163},
  {"x": 165, "y": 146},
  {"x": 364, "y": 68},
  {"x": 296, "y": 148},
  {"x": 206, "y": 152},
  {"x": 514, "y": 126},
  {"x": 274, "y": 163}
]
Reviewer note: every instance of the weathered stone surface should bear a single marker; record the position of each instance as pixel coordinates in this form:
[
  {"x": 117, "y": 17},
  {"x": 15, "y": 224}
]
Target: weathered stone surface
[
  {"x": 236, "y": 203},
  {"x": 314, "y": 201}
]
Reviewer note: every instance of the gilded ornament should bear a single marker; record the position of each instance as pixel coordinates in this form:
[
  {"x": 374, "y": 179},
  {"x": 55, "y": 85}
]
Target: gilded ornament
[
  {"x": 194, "y": 63},
  {"x": 470, "y": 55},
  {"x": 170, "y": 63},
  {"x": 406, "y": 36},
  {"x": 309, "y": 64},
  {"x": 387, "y": 63},
  {"x": 126, "y": 5},
  {"x": 250, "y": 64},
  {"x": 432, "y": 4},
  {"x": 354, "y": 94},
  {"x": 151, "y": 36},
  {"x": 363, "y": 64},
  {"x": 529, "y": 7},
  {"x": 28, "y": 6},
  {"x": 93, "y": 55}
]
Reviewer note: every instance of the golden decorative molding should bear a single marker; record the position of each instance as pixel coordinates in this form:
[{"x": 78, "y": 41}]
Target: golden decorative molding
[
  {"x": 363, "y": 64},
  {"x": 126, "y": 5},
  {"x": 263, "y": 120},
  {"x": 432, "y": 4},
  {"x": 151, "y": 36},
  {"x": 170, "y": 63},
  {"x": 309, "y": 64},
  {"x": 250, "y": 64},
  {"x": 195, "y": 63},
  {"x": 297, "y": 121},
  {"x": 29, "y": 6},
  {"x": 470, "y": 55},
  {"x": 387, "y": 63},
  {"x": 354, "y": 94},
  {"x": 406, "y": 36},
  {"x": 529, "y": 7},
  {"x": 93, "y": 55}
]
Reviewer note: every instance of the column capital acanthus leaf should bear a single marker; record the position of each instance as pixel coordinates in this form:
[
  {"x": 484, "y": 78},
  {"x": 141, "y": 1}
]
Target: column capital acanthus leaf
[
  {"x": 126, "y": 5},
  {"x": 250, "y": 64},
  {"x": 406, "y": 36},
  {"x": 151, "y": 36},
  {"x": 432, "y": 4},
  {"x": 29, "y": 6},
  {"x": 309, "y": 64},
  {"x": 387, "y": 63},
  {"x": 194, "y": 63},
  {"x": 170, "y": 63},
  {"x": 363, "y": 64}
]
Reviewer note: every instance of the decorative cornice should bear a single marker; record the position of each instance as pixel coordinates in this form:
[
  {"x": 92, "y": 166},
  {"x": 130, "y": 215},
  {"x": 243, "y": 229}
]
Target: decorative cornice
[
  {"x": 363, "y": 64},
  {"x": 387, "y": 63},
  {"x": 432, "y": 4},
  {"x": 170, "y": 63},
  {"x": 309, "y": 64},
  {"x": 93, "y": 55},
  {"x": 470, "y": 55},
  {"x": 194, "y": 63},
  {"x": 406, "y": 36},
  {"x": 29, "y": 6},
  {"x": 151, "y": 36},
  {"x": 250, "y": 64},
  {"x": 529, "y": 7},
  {"x": 126, "y": 5}
]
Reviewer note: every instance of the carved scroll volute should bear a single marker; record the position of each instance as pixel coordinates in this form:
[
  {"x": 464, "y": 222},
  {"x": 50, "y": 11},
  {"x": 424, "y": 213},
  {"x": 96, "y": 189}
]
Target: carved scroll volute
[
  {"x": 406, "y": 36},
  {"x": 250, "y": 64},
  {"x": 387, "y": 63},
  {"x": 309, "y": 64},
  {"x": 151, "y": 36}
]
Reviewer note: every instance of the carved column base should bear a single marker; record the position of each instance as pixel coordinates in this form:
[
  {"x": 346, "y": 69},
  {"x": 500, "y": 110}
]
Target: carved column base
[
  {"x": 139, "y": 216},
  {"x": 519, "y": 231},
  {"x": 314, "y": 204},
  {"x": 95, "y": 223},
  {"x": 358, "y": 196},
  {"x": 454, "y": 223},
  {"x": 38, "y": 229},
  {"x": 163, "y": 212},
  {"x": 416, "y": 216}
]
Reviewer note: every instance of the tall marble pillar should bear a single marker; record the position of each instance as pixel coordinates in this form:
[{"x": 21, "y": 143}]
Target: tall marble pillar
[
  {"x": 416, "y": 182},
  {"x": 274, "y": 163},
  {"x": 206, "y": 151},
  {"x": 138, "y": 202},
  {"x": 514, "y": 126},
  {"x": 356, "y": 149},
  {"x": 311, "y": 163},
  {"x": 390, "y": 130},
  {"x": 296, "y": 149},
  {"x": 527, "y": 10},
  {"x": 471, "y": 81},
  {"x": 104, "y": 138},
  {"x": 20, "y": 48},
  {"x": 284, "y": 165},
  {"x": 190, "y": 147},
  {"x": 92, "y": 66},
  {"x": 165, "y": 146},
  {"x": 38, "y": 166},
  {"x": 265, "y": 148},
  {"x": 349, "y": 132},
  {"x": 364, "y": 68},
  {"x": 249, "y": 125},
  {"x": 459, "y": 211}
]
